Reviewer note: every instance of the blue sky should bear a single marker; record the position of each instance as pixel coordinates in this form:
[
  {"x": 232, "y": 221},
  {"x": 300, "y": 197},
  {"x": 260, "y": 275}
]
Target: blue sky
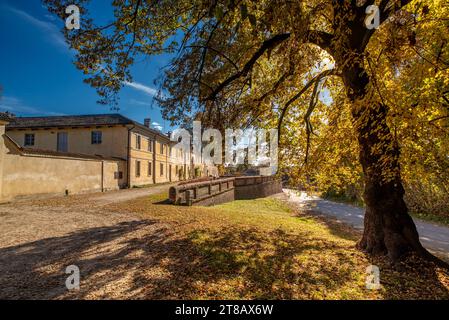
[{"x": 39, "y": 78}]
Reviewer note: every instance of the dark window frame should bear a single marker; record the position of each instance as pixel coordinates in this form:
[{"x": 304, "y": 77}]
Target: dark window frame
[
  {"x": 26, "y": 142},
  {"x": 62, "y": 141},
  {"x": 138, "y": 168},
  {"x": 94, "y": 137},
  {"x": 138, "y": 142}
]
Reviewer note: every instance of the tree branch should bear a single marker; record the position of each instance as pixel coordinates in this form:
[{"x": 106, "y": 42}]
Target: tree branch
[
  {"x": 300, "y": 93},
  {"x": 386, "y": 9},
  {"x": 266, "y": 45},
  {"x": 389, "y": 7},
  {"x": 309, "y": 128},
  {"x": 320, "y": 38},
  {"x": 216, "y": 51}
]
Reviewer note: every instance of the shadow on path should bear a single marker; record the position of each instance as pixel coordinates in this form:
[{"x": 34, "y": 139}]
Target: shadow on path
[{"x": 149, "y": 260}]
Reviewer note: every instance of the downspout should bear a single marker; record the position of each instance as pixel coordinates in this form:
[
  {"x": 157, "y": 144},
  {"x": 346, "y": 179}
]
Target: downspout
[
  {"x": 2, "y": 147},
  {"x": 102, "y": 175},
  {"x": 167, "y": 166},
  {"x": 128, "y": 157},
  {"x": 154, "y": 159}
]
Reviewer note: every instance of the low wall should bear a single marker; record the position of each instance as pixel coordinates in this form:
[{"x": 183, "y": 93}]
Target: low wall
[
  {"x": 224, "y": 190},
  {"x": 256, "y": 187},
  {"x": 203, "y": 193}
]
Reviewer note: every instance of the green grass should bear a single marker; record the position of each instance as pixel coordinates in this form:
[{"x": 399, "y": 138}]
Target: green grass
[
  {"x": 442, "y": 220},
  {"x": 343, "y": 199},
  {"x": 265, "y": 249}
]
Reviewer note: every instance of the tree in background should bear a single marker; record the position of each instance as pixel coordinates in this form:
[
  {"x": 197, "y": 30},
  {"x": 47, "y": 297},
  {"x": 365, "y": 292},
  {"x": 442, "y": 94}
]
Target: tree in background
[{"x": 264, "y": 63}]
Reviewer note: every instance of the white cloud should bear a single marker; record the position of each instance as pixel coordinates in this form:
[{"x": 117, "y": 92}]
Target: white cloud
[
  {"x": 16, "y": 106},
  {"x": 140, "y": 103},
  {"x": 51, "y": 30},
  {"x": 50, "y": 17},
  {"x": 138, "y": 86},
  {"x": 157, "y": 126}
]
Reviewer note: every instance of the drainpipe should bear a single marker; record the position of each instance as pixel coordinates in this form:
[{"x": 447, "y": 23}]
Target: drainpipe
[
  {"x": 2, "y": 147},
  {"x": 102, "y": 175},
  {"x": 128, "y": 158},
  {"x": 154, "y": 159}
]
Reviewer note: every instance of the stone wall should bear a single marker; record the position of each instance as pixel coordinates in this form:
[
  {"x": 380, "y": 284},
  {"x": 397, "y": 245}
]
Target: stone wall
[
  {"x": 256, "y": 187},
  {"x": 205, "y": 193},
  {"x": 223, "y": 190}
]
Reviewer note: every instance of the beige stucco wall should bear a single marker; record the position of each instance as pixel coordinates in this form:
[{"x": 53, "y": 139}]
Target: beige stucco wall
[
  {"x": 2, "y": 147},
  {"x": 145, "y": 157},
  {"x": 114, "y": 140},
  {"x": 109, "y": 170},
  {"x": 25, "y": 175}
]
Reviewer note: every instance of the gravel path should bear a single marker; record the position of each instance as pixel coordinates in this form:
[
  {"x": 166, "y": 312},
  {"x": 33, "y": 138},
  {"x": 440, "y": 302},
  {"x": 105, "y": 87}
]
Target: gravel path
[
  {"x": 40, "y": 238},
  {"x": 433, "y": 237}
]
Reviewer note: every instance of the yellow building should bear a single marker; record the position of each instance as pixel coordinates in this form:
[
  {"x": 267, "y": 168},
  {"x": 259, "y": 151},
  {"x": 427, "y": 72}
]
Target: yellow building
[{"x": 149, "y": 155}]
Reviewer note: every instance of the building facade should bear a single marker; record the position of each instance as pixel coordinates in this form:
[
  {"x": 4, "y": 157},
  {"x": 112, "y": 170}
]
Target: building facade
[
  {"x": 149, "y": 154},
  {"x": 76, "y": 154}
]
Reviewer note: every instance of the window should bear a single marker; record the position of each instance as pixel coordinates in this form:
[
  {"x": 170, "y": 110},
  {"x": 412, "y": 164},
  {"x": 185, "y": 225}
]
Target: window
[
  {"x": 162, "y": 148},
  {"x": 170, "y": 152},
  {"x": 138, "y": 141},
  {"x": 149, "y": 168},
  {"x": 150, "y": 145},
  {"x": 118, "y": 175},
  {"x": 137, "y": 168},
  {"x": 63, "y": 142},
  {"x": 96, "y": 137},
  {"x": 162, "y": 169},
  {"x": 29, "y": 139}
]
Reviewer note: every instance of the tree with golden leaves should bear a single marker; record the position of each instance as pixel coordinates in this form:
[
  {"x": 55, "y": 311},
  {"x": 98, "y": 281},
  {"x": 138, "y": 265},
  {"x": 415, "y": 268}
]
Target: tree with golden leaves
[{"x": 250, "y": 63}]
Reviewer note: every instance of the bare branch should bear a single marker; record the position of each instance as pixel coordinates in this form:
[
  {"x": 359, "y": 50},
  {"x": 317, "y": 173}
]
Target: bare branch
[
  {"x": 387, "y": 8},
  {"x": 266, "y": 45},
  {"x": 300, "y": 93},
  {"x": 216, "y": 51},
  {"x": 309, "y": 128},
  {"x": 320, "y": 38}
]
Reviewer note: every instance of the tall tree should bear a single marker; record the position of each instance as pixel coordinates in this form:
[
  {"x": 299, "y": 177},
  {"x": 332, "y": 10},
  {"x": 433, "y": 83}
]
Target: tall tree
[{"x": 242, "y": 61}]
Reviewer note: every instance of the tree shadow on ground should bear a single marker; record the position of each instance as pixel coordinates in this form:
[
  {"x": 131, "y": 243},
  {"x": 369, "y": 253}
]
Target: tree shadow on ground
[
  {"x": 412, "y": 278},
  {"x": 147, "y": 259},
  {"x": 165, "y": 202},
  {"x": 336, "y": 228}
]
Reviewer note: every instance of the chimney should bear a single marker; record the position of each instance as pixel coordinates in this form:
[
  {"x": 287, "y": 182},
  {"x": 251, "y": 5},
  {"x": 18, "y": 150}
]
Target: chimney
[{"x": 147, "y": 122}]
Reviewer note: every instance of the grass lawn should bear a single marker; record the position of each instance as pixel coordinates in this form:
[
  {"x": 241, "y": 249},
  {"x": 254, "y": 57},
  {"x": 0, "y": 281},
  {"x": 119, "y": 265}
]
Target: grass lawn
[
  {"x": 438, "y": 219},
  {"x": 264, "y": 249}
]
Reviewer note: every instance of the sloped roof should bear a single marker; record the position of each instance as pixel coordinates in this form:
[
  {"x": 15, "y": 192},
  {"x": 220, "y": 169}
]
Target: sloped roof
[
  {"x": 69, "y": 121},
  {"x": 5, "y": 117},
  {"x": 77, "y": 121},
  {"x": 32, "y": 151}
]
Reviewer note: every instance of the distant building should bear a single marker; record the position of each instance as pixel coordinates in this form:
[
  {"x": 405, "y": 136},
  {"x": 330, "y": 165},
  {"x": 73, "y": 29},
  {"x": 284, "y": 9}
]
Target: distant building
[{"x": 142, "y": 155}]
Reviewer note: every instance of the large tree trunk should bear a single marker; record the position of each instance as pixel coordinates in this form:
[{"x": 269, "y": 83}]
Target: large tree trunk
[{"x": 388, "y": 228}]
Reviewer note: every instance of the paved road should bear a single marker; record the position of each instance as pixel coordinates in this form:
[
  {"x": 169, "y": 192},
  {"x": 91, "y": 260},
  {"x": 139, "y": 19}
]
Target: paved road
[{"x": 433, "y": 237}]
